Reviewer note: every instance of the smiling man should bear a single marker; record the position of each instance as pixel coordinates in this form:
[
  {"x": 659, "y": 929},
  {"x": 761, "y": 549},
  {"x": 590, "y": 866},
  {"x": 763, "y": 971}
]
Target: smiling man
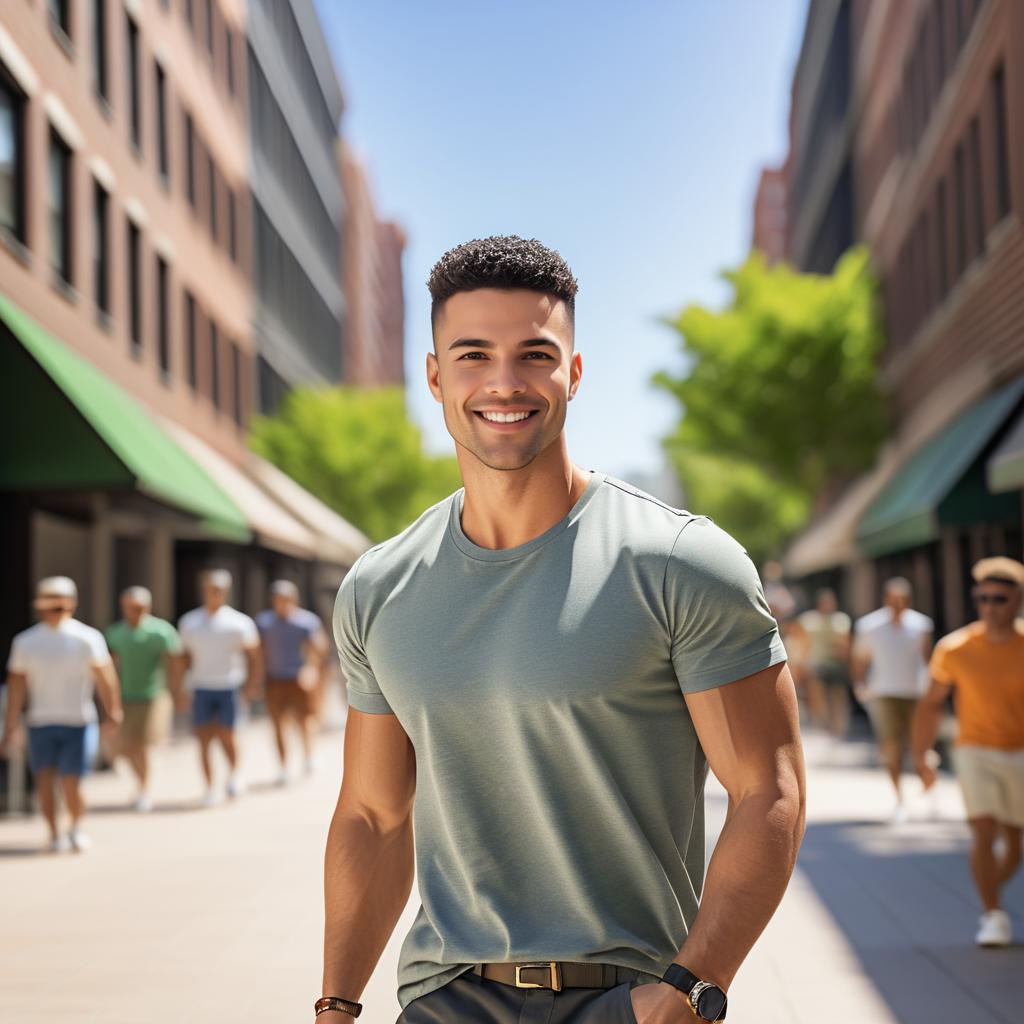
[{"x": 539, "y": 671}]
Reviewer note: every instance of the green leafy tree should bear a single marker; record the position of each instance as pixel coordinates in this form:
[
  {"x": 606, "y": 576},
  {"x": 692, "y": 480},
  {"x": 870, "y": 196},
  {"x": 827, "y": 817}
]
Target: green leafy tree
[
  {"x": 358, "y": 452},
  {"x": 781, "y": 396}
]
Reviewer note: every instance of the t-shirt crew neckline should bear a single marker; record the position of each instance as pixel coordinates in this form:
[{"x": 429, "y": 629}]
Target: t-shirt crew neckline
[{"x": 467, "y": 547}]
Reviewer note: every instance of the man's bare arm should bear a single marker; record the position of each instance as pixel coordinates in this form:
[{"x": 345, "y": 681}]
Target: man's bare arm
[
  {"x": 749, "y": 731},
  {"x": 368, "y": 867},
  {"x": 108, "y": 686},
  {"x": 17, "y": 687},
  {"x": 925, "y": 729}
]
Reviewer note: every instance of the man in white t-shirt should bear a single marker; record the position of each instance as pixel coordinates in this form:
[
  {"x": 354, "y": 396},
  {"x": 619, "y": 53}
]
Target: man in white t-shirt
[
  {"x": 222, "y": 649},
  {"x": 58, "y": 664},
  {"x": 890, "y": 666}
]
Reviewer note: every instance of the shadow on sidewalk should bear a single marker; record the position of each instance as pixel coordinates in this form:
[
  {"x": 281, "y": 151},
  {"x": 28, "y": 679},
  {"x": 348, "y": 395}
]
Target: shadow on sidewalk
[{"x": 904, "y": 900}]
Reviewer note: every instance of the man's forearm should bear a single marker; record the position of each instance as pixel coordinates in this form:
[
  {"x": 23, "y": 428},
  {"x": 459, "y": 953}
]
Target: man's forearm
[
  {"x": 368, "y": 873},
  {"x": 925, "y": 728},
  {"x": 746, "y": 879},
  {"x": 15, "y": 701}
]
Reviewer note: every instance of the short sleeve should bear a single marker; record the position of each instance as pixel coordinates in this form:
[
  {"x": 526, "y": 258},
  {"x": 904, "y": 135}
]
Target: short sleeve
[
  {"x": 364, "y": 693},
  {"x": 172, "y": 642},
  {"x": 16, "y": 659},
  {"x": 939, "y": 667},
  {"x": 722, "y": 629},
  {"x": 100, "y": 655}
]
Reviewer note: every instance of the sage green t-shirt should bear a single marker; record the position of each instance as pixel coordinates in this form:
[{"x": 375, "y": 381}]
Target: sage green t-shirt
[
  {"x": 559, "y": 781},
  {"x": 140, "y": 655}
]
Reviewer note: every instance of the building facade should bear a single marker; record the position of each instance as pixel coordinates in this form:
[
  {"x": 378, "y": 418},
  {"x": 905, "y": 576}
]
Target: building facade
[{"x": 936, "y": 151}]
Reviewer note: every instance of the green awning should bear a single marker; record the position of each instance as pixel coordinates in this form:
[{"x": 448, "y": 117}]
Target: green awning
[
  {"x": 67, "y": 426},
  {"x": 1005, "y": 468},
  {"x": 908, "y": 510}
]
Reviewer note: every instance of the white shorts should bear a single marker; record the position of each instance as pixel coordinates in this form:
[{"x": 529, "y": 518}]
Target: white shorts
[{"x": 992, "y": 783}]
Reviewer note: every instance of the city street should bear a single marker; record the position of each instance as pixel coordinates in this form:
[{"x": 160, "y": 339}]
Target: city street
[{"x": 215, "y": 915}]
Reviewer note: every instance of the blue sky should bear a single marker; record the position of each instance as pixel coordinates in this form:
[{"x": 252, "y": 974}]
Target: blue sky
[{"x": 628, "y": 136}]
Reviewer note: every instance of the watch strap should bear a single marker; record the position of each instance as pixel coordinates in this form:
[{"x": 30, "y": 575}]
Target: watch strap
[
  {"x": 326, "y": 1003},
  {"x": 681, "y": 978}
]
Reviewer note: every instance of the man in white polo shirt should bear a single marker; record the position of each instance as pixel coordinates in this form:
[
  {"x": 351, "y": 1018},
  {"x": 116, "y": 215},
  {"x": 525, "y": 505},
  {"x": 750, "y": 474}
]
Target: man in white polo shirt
[
  {"x": 58, "y": 664},
  {"x": 222, "y": 648},
  {"x": 890, "y": 667}
]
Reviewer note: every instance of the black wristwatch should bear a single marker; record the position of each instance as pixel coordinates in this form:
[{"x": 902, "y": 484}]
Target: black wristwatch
[{"x": 707, "y": 1001}]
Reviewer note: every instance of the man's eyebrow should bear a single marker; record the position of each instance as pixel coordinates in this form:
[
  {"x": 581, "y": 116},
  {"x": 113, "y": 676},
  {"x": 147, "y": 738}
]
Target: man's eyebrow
[{"x": 484, "y": 343}]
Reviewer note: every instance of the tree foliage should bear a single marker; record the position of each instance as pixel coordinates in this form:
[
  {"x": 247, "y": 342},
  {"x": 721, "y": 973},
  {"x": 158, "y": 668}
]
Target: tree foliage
[
  {"x": 781, "y": 396},
  {"x": 359, "y": 453}
]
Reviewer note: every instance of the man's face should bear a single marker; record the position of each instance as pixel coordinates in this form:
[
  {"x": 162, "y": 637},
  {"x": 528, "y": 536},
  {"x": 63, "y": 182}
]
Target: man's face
[
  {"x": 997, "y": 603},
  {"x": 132, "y": 610},
  {"x": 897, "y": 601},
  {"x": 51, "y": 609},
  {"x": 213, "y": 596},
  {"x": 283, "y": 604},
  {"x": 504, "y": 370}
]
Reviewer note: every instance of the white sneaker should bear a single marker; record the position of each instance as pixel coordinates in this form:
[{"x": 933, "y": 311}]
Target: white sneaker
[
  {"x": 281, "y": 779},
  {"x": 307, "y": 768},
  {"x": 994, "y": 929},
  {"x": 900, "y": 815},
  {"x": 235, "y": 788},
  {"x": 143, "y": 805},
  {"x": 59, "y": 844},
  {"x": 210, "y": 798},
  {"x": 80, "y": 842}
]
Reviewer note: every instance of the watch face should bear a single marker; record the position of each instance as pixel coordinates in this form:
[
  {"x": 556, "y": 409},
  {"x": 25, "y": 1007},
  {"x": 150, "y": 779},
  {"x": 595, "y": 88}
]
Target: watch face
[{"x": 711, "y": 1003}]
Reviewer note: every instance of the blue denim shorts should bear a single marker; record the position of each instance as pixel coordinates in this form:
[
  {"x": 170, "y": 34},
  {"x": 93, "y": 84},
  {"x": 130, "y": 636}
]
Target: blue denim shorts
[
  {"x": 68, "y": 749},
  {"x": 214, "y": 707}
]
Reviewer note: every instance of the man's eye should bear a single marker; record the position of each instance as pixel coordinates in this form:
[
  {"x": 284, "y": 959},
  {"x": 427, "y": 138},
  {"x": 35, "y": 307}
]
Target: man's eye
[
  {"x": 538, "y": 355},
  {"x": 471, "y": 355}
]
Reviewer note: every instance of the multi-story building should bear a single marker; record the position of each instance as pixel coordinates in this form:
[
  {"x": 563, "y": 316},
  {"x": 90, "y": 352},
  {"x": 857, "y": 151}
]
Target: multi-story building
[
  {"x": 133, "y": 223},
  {"x": 770, "y": 236},
  {"x": 372, "y": 251},
  {"x": 297, "y": 204},
  {"x": 937, "y": 113}
]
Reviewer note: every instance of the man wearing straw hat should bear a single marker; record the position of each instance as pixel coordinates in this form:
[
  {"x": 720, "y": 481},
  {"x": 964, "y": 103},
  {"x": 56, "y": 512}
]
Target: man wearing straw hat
[
  {"x": 983, "y": 663},
  {"x": 58, "y": 664}
]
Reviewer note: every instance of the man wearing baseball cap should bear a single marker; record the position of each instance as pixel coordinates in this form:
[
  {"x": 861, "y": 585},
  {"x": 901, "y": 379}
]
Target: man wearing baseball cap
[
  {"x": 984, "y": 664},
  {"x": 222, "y": 650},
  {"x": 58, "y": 664},
  {"x": 295, "y": 648}
]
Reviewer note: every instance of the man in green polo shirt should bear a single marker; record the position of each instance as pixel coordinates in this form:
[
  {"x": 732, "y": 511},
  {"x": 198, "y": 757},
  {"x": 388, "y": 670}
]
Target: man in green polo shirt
[{"x": 147, "y": 652}]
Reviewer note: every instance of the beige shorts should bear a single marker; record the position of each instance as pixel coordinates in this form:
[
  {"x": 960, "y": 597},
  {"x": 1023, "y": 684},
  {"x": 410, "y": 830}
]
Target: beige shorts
[
  {"x": 992, "y": 782},
  {"x": 147, "y": 721},
  {"x": 891, "y": 718}
]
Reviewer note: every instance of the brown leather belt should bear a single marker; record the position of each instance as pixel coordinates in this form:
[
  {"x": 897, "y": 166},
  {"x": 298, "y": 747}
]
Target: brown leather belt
[{"x": 554, "y": 974}]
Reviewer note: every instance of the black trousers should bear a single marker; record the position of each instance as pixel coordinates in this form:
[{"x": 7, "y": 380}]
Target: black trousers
[{"x": 470, "y": 999}]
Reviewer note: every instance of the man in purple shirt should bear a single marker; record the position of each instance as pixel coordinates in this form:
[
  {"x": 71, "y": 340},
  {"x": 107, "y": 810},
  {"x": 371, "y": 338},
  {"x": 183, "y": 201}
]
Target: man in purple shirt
[{"x": 295, "y": 646}]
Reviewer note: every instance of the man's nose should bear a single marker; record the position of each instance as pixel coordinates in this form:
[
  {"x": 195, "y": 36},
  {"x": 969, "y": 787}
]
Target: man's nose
[{"x": 505, "y": 378}]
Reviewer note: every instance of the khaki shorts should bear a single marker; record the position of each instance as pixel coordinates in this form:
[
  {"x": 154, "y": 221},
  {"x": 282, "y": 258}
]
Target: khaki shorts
[
  {"x": 147, "y": 721},
  {"x": 285, "y": 696},
  {"x": 992, "y": 782},
  {"x": 891, "y": 718}
]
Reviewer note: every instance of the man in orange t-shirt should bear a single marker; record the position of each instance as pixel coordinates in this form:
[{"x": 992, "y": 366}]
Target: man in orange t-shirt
[{"x": 984, "y": 664}]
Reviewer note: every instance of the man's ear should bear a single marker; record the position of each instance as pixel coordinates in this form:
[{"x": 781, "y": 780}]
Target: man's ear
[
  {"x": 575, "y": 374},
  {"x": 434, "y": 376}
]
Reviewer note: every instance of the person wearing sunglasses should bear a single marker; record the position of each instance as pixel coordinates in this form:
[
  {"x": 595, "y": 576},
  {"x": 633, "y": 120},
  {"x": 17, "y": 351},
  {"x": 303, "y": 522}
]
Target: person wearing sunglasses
[{"x": 983, "y": 663}]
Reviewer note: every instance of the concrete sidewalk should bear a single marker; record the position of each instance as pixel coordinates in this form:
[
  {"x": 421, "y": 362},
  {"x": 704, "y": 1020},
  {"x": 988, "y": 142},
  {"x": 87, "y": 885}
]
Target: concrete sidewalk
[{"x": 216, "y": 915}]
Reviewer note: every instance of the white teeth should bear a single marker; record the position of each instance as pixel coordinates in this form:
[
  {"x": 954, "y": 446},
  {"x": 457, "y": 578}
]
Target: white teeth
[{"x": 504, "y": 417}]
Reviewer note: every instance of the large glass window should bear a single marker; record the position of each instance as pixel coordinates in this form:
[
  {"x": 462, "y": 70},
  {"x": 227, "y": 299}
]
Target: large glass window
[
  {"x": 12, "y": 157},
  {"x": 59, "y": 195},
  {"x": 191, "y": 350},
  {"x": 135, "y": 288},
  {"x": 214, "y": 365},
  {"x": 190, "y": 160},
  {"x": 99, "y": 48},
  {"x": 162, "y": 154},
  {"x": 236, "y": 383},
  {"x": 60, "y": 14},
  {"x": 163, "y": 337},
  {"x": 132, "y": 84},
  {"x": 101, "y": 248},
  {"x": 1002, "y": 157},
  {"x": 232, "y": 226}
]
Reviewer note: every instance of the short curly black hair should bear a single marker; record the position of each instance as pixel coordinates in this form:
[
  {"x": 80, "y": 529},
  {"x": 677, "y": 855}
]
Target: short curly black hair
[{"x": 501, "y": 261}]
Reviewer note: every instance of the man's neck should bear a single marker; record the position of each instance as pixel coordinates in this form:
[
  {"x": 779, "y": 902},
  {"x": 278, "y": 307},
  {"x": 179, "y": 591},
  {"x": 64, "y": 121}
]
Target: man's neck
[
  {"x": 506, "y": 508},
  {"x": 999, "y": 634}
]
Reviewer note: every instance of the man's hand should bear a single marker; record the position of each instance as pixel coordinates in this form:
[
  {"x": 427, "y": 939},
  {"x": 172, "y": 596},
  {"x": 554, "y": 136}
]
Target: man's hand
[
  {"x": 13, "y": 741},
  {"x": 926, "y": 768},
  {"x": 660, "y": 1003}
]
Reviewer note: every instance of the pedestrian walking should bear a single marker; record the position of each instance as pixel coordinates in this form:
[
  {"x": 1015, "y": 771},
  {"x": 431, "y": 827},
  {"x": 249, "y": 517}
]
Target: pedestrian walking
[
  {"x": 548, "y": 660},
  {"x": 983, "y": 666},
  {"x": 58, "y": 665},
  {"x": 148, "y": 658},
  {"x": 823, "y": 638},
  {"x": 890, "y": 670},
  {"x": 222, "y": 652},
  {"x": 294, "y": 652}
]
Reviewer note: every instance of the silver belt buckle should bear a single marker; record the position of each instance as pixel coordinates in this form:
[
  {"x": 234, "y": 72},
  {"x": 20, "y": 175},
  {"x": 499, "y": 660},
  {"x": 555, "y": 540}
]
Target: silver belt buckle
[{"x": 552, "y": 966}]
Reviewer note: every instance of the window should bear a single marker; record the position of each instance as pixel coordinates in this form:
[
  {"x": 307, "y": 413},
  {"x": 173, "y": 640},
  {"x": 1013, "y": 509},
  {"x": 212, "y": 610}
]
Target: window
[
  {"x": 132, "y": 55},
  {"x": 211, "y": 184},
  {"x": 191, "y": 351},
  {"x": 229, "y": 57},
  {"x": 209, "y": 26},
  {"x": 12, "y": 157},
  {"x": 163, "y": 341},
  {"x": 135, "y": 288},
  {"x": 60, "y": 207},
  {"x": 236, "y": 383},
  {"x": 60, "y": 15},
  {"x": 976, "y": 190},
  {"x": 99, "y": 49},
  {"x": 101, "y": 248},
  {"x": 960, "y": 199},
  {"x": 190, "y": 160},
  {"x": 942, "y": 240},
  {"x": 163, "y": 159},
  {"x": 232, "y": 227},
  {"x": 214, "y": 365},
  {"x": 998, "y": 87}
]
